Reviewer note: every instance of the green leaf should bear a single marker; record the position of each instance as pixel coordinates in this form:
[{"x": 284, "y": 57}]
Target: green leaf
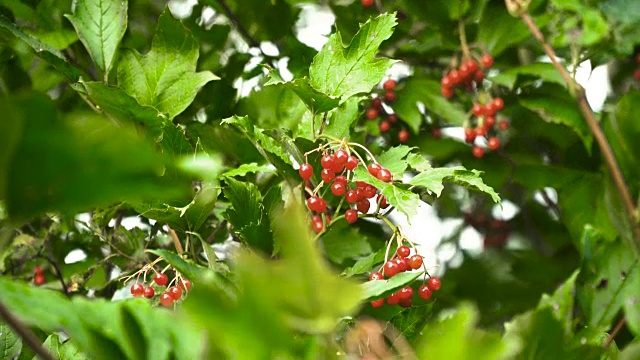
[
  {"x": 44, "y": 51},
  {"x": 432, "y": 180},
  {"x": 555, "y": 105},
  {"x": 418, "y": 162},
  {"x": 10, "y": 344},
  {"x": 561, "y": 303},
  {"x": 412, "y": 320},
  {"x": 426, "y": 91},
  {"x": 100, "y": 24},
  {"x": 624, "y": 20},
  {"x": 454, "y": 336},
  {"x": 343, "y": 72},
  {"x": 343, "y": 241},
  {"x": 341, "y": 119},
  {"x": 164, "y": 78},
  {"x": 244, "y": 169},
  {"x": 394, "y": 160},
  {"x": 317, "y": 102},
  {"x": 72, "y": 167},
  {"x": 544, "y": 71},
  {"x": 375, "y": 289},
  {"x": 62, "y": 351},
  {"x": 498, "y": 30},
  {"x": 404, "y": 200}
]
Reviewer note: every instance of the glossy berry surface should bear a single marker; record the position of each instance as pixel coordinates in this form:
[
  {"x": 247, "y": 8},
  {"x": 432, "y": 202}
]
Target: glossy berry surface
[
  {"x": 393, "y": 299},
  {"x": 384, "y": 175},
  {"x": 403, "y": 251},
  {"x": 351, "y": 216},
  {"x": 363, "y": 206},
  {"x": 166, "y": 300},
  {"x": 478, "y": 152},
  {"x": 327, "y": 175},
  {"x": 137, "y": 289},
  {"x": 376, "y": 276},
  {"x": 186, "y": 285},
  {"x": 317, "y": 224},
  {"x": 493, "y": 143},
  {"x": 338, "y": 189},
  {"x": 434, "y": 283},
  {"x": 306, "y": 171},
  {"x": 352, "y": 163},
  {"x": 377, "y": 303},
  {"x": 424, "y": 292},
  {"x": 374, "y": 168},
  {"x": 389, "y": 85},
  {"x": 352, "y": 196},
  {"x": 39, "y": 279},
  {"x": 391, "y": 268},
  {"x": 328, "y": 161},
  {"x": 415, "y": 262},
  {"x": 403, "y": 136},
  {"x": 149, "y": 292},
  {"x": 486, "y": 60},
  {"x": 160, "y": 279},
  {"x": 175, "y": 292},
  {"x": 406, "y": 293}
]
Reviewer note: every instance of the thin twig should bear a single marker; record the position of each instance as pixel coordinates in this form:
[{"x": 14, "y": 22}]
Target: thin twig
[
  {"x": 24, "y": 332},
  {"x": 236, "y": 22},
  {"x": 49, "y": 257},
  {"x": 614, "y": 332},
  {"x": 597, "y": 132},
  {"x": 176, "y": 240}
]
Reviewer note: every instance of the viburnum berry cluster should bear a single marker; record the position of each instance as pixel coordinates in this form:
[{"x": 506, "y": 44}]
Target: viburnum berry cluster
[
  {"x": 636, "y": 73},
  {"x": 403, "y": 261},
  {"x": 338, "y": 162},
  {"x": 387, "y": 120},
  {"x": 483, "y": 120},
  {"x": 38, "y": 277},
  {"x": 171, "y": 291}
]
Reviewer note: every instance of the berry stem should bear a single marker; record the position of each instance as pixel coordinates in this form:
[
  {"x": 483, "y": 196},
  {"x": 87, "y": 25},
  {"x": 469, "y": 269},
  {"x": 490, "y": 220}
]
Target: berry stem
[
  {"x": 463, "y": 40},
  {"x": 373, "y": 158},
  {"x": 598, "y": 134}
]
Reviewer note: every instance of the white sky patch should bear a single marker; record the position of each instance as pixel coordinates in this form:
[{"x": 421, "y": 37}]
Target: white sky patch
[
  {"x": 314, "y": 25},
  {"x": 505, "y": 212},
  {"x": 75, "y": 256},
  {"x": 182, "y": 9}
]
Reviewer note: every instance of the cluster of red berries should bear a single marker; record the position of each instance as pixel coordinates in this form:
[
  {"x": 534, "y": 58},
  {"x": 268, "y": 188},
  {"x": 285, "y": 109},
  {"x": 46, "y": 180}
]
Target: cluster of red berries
[
  {"x": 38, "y": 277},
  {"x": 486, "y": 125},
  {"x": 403, "y": 261},
  {"x": 376, "y": 111},
  {"x": 636, "y": 73},
  {"x": 168, "y": 297},
  {"x": 468, "y": 74},
  {"x": 335, "y": 171}
]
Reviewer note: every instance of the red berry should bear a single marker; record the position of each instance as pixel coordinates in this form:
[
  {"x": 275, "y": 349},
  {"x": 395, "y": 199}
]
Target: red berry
[
  {"x": 384, "y": 175},
  {"x": 472, "y": 65},
  {"x": 406, "y": 303},
  {"x": 455, "y": 77},
  {"x": 313, "y": 203},
  {"x": 415, "y": 262},
  {"x": 377, "y": 303},
  {"x": 306, "y": 171},
  {"x": 376, "y": 103},
  {"x": 149, "y": 292},
  {"x": 352, "y": 163},
  {"x": 384, "y": 126},
  {"x": 403, "y": 136},
  {"x": 393, "y": 299},
  {"x": 424, "y": 292},
  {"x": 469, "y": 135},
  {"x": 361, "y": 184},
  {"x": 486, "y": 60},
  {"x": 403, "y": 251},
  {"x": 363, "y": 206},
  {"x": 39, "y": 279},
  {"x": 498, "y": 103},
  {"x": 383, "y": 202},
  {"x": 338, "y": 188},
  {"x": 37, "y": 270},
  {"x": 391, "y": 268},
  {"x": 341, "y": 179},
  {"x": 389, "y": 85},
  {"x": 352, "y": 196},
  {"x": 368, "y": 191},
  {"x": 478, "y": 76},
  {"x": 327, "y": 175},
  {"x": 478, "y": 152},
  {"x": 464, "y": 71},
  {"x": 374, "y": 168},
  {"x": 481, "y": 131},
  {"x": 351, "y": 216},
  {"x": 433, "y": 283},
  {"x": 406, "y": 293},
  {"x": 436, "y": 132},
  {"x": 175, "y": 292},
  {"x": 376, "y": 276},
  {"x": 137, "y": 289},
  {"x": 166, "y": 299},
  {"x": 477, "y": 109},
  {"x": 489, "y": 121},
  {"x": 636, "y": 75},
  {"x": 341, "y": 157},
  {"x": 448, "y": 92},
  {"x": 186, "y": 285},
  {"x": 403, "y": 264},
  {"x": 367, "y": 3},
  {"x": 337, "y": 168},
  {"x": 445, "y": 82},
  {"x": 503, "y": 125},
  {"x": 160, "y": 279},
  {"x": 390, "y": 96},
  {"x": 490, "y": 109},
  {"x": 328, "y": 161},
  {"x": 316, "y": 224},
  {"x": 493, "y": 143}
]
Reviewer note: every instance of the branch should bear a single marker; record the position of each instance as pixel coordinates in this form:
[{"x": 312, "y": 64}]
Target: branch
[
  {"x": 614, "y": 332},
  {"x": 597, "y": 132},
  {"x": 176, "y": 241},
  {"x": 23, "y": 331},
  {"x": 55, "y": 265},
  {"x": 236, "y": 22}
]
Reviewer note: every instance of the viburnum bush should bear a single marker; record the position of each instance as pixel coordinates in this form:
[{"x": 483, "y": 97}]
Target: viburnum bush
[{"x": 429, "y": 180}]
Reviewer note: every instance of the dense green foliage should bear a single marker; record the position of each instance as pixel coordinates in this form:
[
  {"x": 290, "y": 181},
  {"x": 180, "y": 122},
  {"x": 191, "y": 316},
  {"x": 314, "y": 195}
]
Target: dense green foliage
[{"x": 195, "y": 127}]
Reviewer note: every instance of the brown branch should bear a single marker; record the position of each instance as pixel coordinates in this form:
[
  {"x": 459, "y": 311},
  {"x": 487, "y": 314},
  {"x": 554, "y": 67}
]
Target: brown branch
[
  {"x": 614, "y": 332},
  {"x": 597, "y": 132},
  {"x": 24, "y": 332},
  {"x": 238, "y": 25},
  {"x": 176, "y": 241}
]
